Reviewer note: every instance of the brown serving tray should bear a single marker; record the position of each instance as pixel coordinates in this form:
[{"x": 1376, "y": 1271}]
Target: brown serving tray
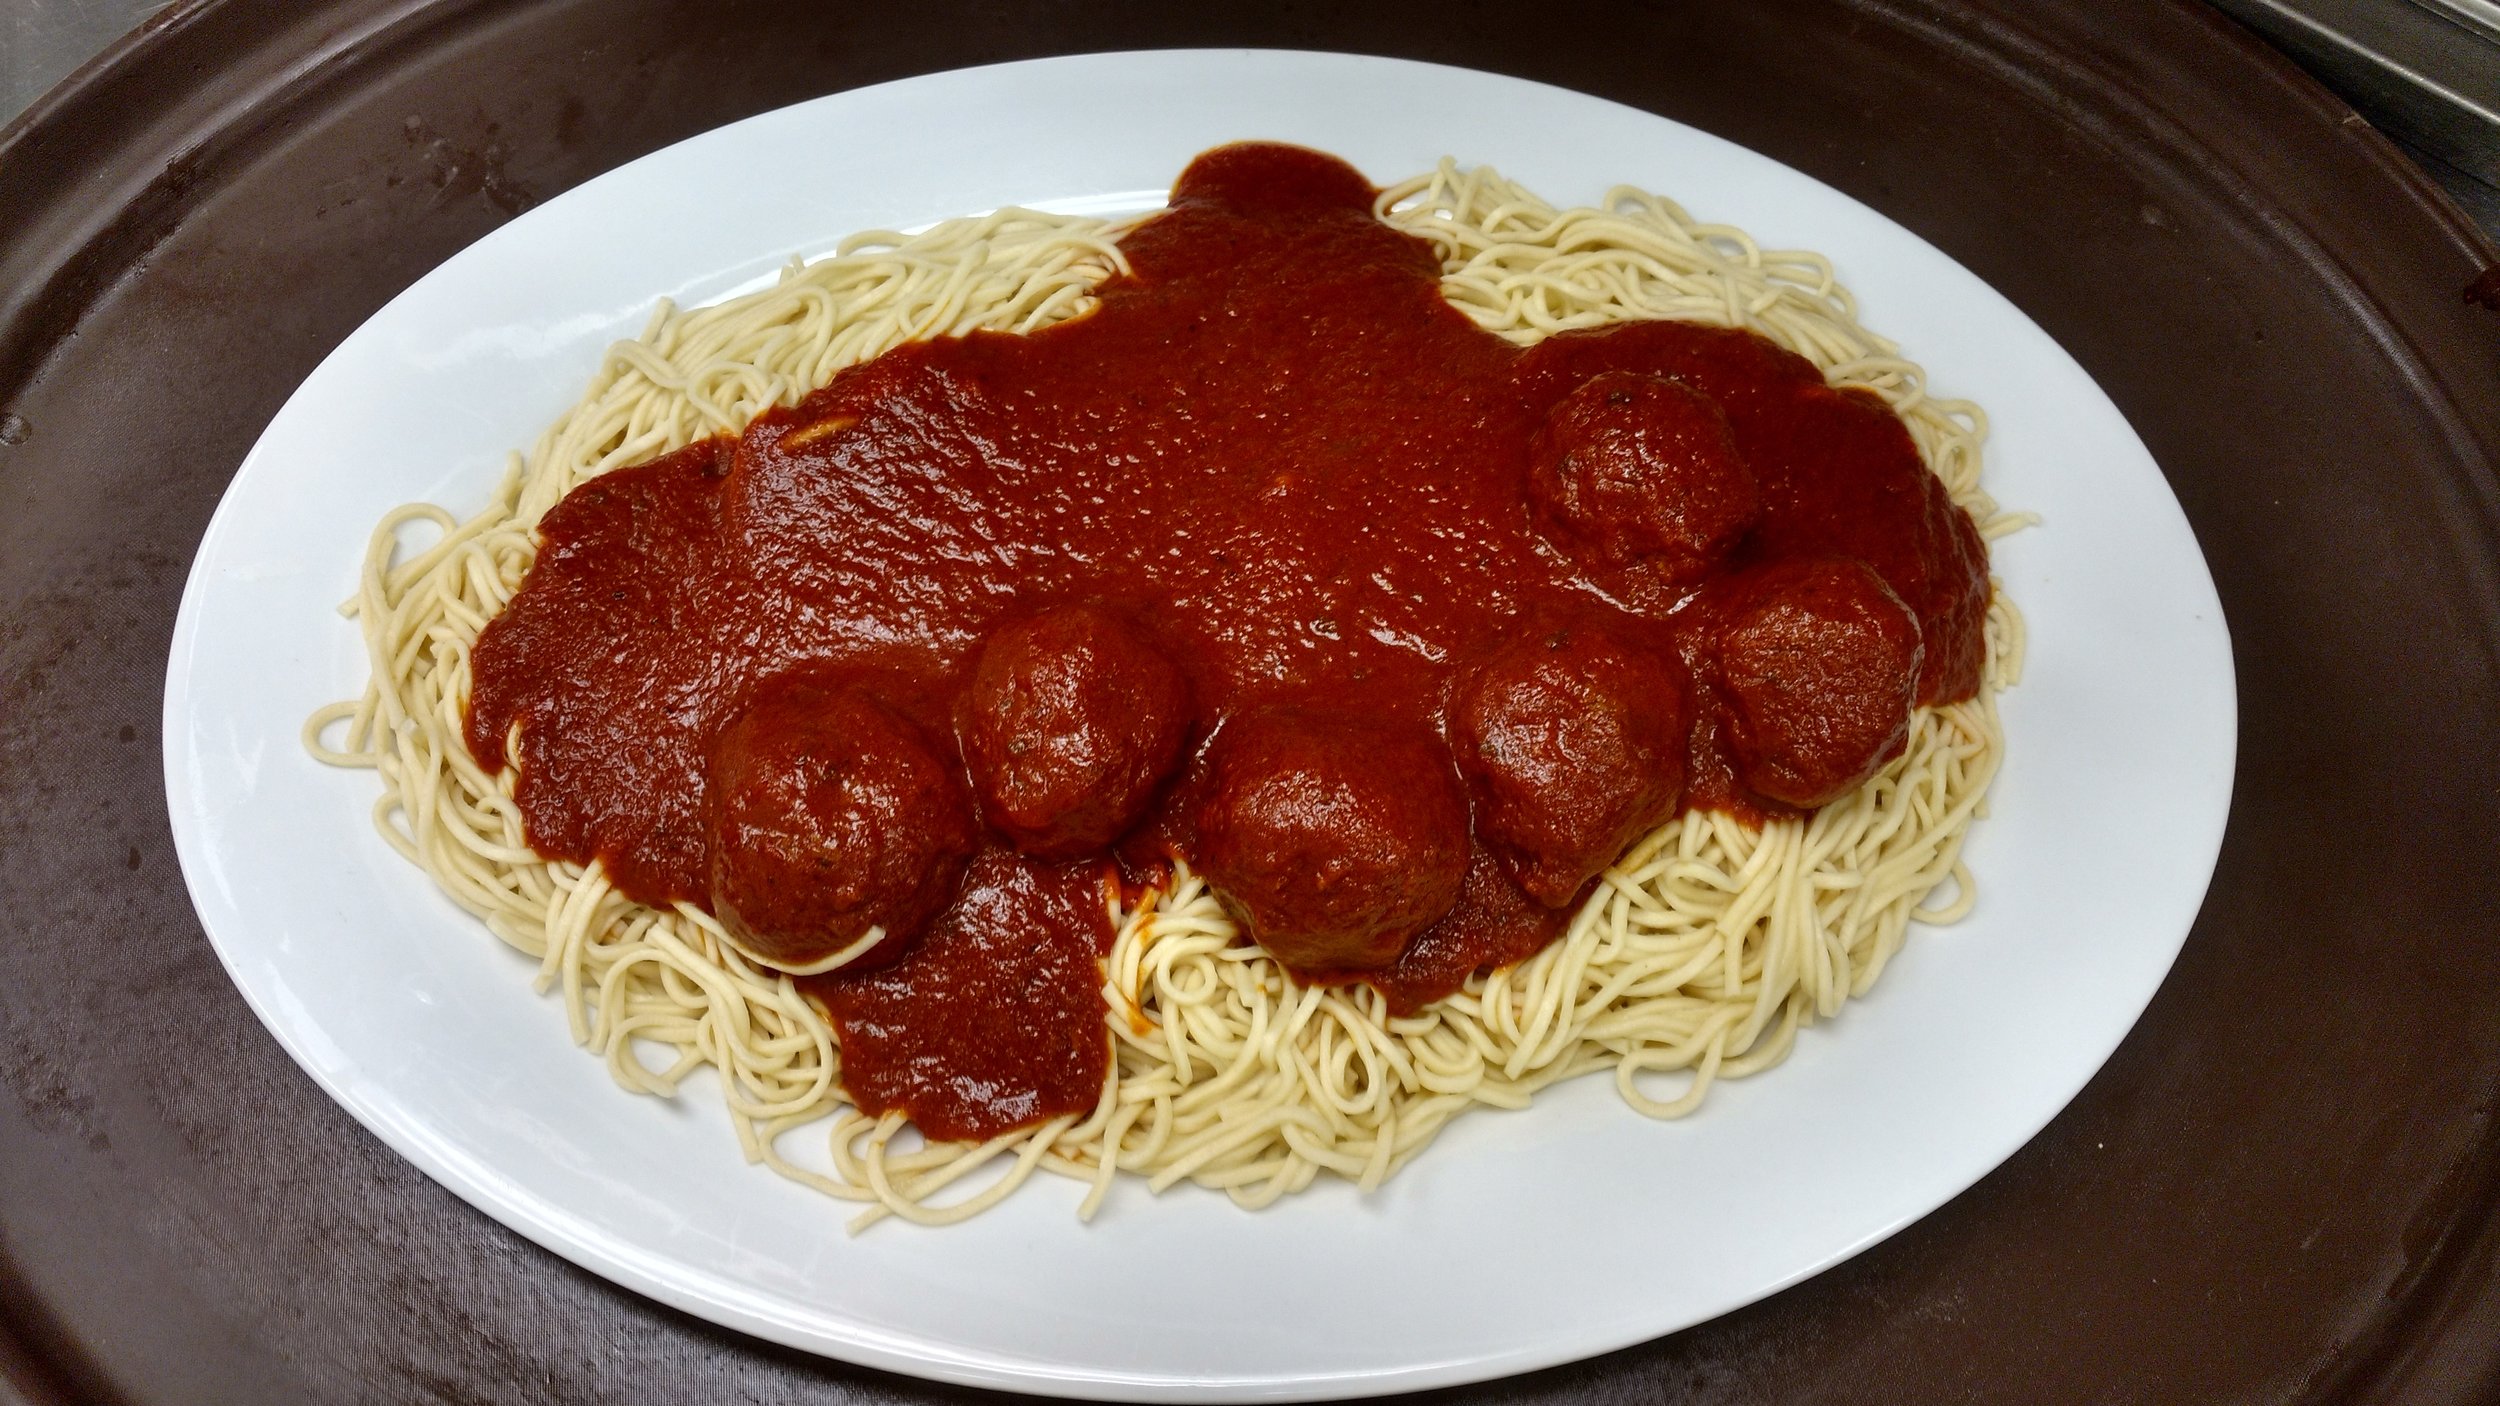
[{"x": 2280, "y": 1189}]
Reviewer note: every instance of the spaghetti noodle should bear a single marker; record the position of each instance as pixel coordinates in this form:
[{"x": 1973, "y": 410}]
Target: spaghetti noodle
[{"x": 1701, "y": 952}]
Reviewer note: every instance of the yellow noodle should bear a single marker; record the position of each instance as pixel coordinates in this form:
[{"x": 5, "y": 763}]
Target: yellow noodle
[{"x": 1701, "y": 954}]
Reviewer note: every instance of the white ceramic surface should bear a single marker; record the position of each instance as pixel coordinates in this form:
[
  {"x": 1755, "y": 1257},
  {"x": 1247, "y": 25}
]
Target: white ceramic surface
[{"x": 1522, "y": 1239}]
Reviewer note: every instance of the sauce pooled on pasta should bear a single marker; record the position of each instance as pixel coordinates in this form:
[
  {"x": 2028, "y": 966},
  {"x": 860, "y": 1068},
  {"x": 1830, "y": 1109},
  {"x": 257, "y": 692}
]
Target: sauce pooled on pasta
[{"x": 1273, "y": 561}]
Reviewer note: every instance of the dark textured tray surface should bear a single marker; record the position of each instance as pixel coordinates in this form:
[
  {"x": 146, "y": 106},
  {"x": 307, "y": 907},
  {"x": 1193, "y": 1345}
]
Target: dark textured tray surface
[{"x": 2281, "y": 1187}]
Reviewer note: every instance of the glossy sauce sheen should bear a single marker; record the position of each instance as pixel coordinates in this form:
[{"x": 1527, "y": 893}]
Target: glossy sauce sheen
[{"x": 1276, "y": 448}]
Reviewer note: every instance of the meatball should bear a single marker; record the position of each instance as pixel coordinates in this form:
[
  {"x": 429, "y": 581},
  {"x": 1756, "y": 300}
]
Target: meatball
[
  {"x": 1573, "y": 741},
  {"x": 1074, "y": 718},
  {"x": 1819, "y": 662},
  {"x": 1637, "y": 470},
  {"x": 1333, "y": 840},
  {"x": 826, "y": 817}
]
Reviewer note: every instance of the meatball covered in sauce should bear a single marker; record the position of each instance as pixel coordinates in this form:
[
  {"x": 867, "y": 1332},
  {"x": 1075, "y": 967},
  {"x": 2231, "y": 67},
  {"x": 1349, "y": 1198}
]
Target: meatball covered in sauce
[
  {"x": 1637, "y": 470},
  {"x": 1073, "y": 720},
  {"x": 1818, "y": 661},
  {"x": 827, "y": 817},
  {"x": 1574, "y": 742},
  {"x": 1332, "y": 839}
]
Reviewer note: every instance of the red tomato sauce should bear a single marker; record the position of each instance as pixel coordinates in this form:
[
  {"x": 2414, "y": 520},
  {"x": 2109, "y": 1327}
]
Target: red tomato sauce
[{"x": 1277, "y": 449}]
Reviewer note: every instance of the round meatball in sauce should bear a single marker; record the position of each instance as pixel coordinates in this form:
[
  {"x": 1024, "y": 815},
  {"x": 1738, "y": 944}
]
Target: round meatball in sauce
[
  {"x": 1818, "y": 661},
  {"x": 829, "y": 818},
  {"x": 1574, "y": 742},
  {"x": 1073, "y": 720},
  {"x": 1643, "y": 471},
  {"x": 1334, "y": 840}
]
